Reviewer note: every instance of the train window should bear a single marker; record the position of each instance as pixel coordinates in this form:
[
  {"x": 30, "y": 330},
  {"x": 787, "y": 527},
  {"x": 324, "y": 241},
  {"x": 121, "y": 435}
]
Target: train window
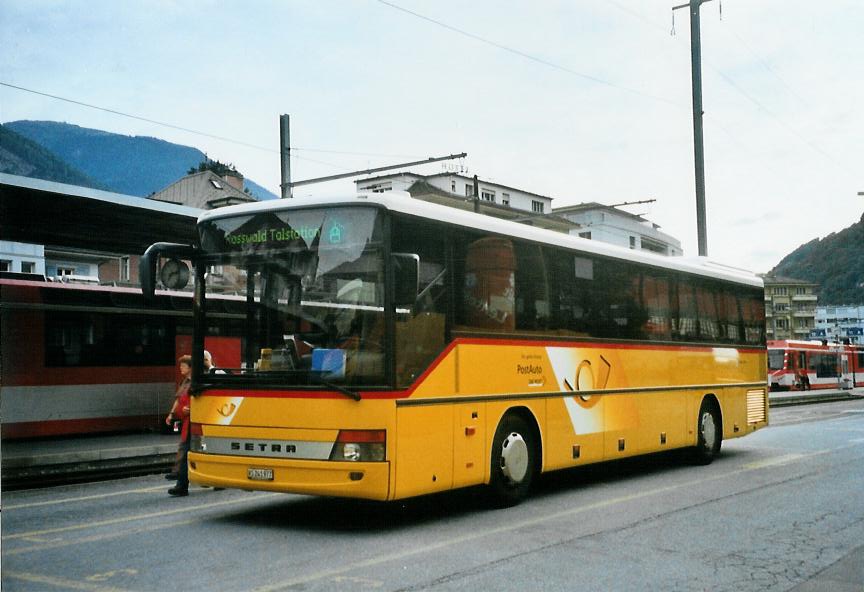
[
  {"x": 89, "y": 340},
  {"x": 825, "y": 365}
]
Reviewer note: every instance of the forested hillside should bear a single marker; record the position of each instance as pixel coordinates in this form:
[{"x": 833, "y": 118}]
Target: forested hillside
[
  {"x": 835, "y": 262},
  {"x": 133, "y": 165}
]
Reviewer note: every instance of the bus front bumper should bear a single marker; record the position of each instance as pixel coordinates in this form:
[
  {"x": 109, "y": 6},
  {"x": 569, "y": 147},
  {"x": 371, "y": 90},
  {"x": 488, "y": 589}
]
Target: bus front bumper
[{"x": 364, "y": 480}]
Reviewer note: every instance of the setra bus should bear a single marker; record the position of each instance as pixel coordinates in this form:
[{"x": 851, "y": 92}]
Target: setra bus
[{"x": 394, "y": 348}]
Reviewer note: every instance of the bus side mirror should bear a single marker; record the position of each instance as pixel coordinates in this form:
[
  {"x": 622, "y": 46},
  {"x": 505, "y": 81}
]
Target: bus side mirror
[
  {"x": 173, "y": 270},
  {"x": 406, "y": 278}
]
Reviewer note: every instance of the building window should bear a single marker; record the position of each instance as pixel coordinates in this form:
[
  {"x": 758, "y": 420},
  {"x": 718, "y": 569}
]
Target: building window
[
  {"x": 5, "y": 265},
  {"x": 800, "y": 291},
  {"x": 124, "y": 269},
  {"x": 537, "y": 206},
  {"x": 452, "y": 186},
  {"x": 632, "y": 242},
  {"x": 585, "y": 235},
  {"x": 216, "y": 183},
  {"x": 781, "y": 323},
  {"x": 781, "y": 307},
  {"x": 64, "y": 271},
  {"x": 469, "y": 190},
  {"x": 380, "y": 187},
  {"x": 802, "y": 323},
  {"x": 505, "y": 199},
  {"x": 780, "y": 291},
  {"x": 28, "y": 267},
  {"x": 487, "y": 195}
]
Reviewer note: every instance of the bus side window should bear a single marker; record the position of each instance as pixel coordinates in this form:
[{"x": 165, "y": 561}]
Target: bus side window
[
  {"x": 729, "y": 318},
  {"x": 655, "y": 304},
  {"x": 421, "y": 331},
  {"x": 688, "y": 327},
  {"x": 488, "y": 297},
  {"x": 531, "y": 289},
  {"x": 708, "y": 327}
]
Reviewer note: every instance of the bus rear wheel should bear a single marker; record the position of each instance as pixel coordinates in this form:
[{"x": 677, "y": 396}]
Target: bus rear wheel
[
  {"x": 709, "y": 430},
  {"x": 514, "y": 461}
]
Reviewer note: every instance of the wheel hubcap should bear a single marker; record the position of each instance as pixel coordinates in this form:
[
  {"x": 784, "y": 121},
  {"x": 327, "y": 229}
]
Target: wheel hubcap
[
  {"x": 709, "y": 430},
  {"x": 514, "y": 458}
]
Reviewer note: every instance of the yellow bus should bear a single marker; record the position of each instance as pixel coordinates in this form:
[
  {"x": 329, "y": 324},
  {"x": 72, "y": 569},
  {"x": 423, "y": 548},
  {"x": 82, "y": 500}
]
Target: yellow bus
[{"x": 391, "y": 348}]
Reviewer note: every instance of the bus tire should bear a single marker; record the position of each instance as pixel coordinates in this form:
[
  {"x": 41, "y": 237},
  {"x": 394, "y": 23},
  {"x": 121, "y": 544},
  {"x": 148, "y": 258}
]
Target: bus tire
[
  {"x": 514, "y": 461},
  {"x": 709, "y": 431}
]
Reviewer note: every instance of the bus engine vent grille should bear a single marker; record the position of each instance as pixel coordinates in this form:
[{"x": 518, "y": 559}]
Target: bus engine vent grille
[{"x": 756, "y": 406}]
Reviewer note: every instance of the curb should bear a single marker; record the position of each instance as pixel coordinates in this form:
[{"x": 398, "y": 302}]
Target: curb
[{"x": 788, "y": 401}]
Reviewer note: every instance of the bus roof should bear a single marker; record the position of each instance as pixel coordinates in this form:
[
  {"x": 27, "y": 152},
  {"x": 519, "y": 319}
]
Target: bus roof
[{"x": 402, "y": 202}]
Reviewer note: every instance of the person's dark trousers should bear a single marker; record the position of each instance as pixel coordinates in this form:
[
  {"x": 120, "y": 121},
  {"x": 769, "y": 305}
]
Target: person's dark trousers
[
  {"x": 183, "y": 468},
  {"x": 182, "y": 487}
]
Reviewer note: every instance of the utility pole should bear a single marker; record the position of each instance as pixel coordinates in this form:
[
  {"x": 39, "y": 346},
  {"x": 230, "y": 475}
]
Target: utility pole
[
  {"x": 375, "y": 170},
  {"x": 285, "y": 153},
  {"x": 698, "y": 143}
]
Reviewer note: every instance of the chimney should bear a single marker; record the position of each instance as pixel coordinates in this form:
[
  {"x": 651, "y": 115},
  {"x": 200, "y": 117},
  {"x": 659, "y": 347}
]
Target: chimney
[{"x": 234, "y": 179}]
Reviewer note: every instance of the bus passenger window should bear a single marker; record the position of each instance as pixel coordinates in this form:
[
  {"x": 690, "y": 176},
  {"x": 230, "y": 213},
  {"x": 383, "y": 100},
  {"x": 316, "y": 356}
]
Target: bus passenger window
[
  {"x": 688, "y": 328},
  {"x": 708, "y": 326},
  {"x": 655, "y": 303},
  {"x": 531, "y": 289},
  {"x": 489, "y": 296},
  {"x": 421, "y": 330}
]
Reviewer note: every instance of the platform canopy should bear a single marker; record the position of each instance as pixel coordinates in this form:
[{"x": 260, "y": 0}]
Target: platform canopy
[{"x": 55, "y": 214}]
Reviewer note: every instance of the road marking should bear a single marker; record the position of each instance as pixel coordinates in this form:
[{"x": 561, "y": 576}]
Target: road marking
[
  {"x": 57, "y": 543},
  {"x": 59, "y": 582},
  {"x": 404, "y": 554},
  {"x": 82, "y": 498},
  {"x": 775, "y": 460},
  {"x": 179, "y": 510}
]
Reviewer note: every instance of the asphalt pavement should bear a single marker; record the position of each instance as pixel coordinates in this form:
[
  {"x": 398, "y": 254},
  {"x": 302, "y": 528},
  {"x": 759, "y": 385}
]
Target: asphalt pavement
[{"x": 53, "y": 461}]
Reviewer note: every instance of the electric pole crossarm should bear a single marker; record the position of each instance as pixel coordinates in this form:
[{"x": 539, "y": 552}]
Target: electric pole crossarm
[{"x": 376, "y": 170}]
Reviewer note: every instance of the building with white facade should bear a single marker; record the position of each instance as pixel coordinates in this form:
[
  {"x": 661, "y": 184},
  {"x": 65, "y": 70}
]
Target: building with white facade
[
  {"x": 22, "y": 257},
  {"x": 462, "y": 186},
  {"x": 611, "y": 225},
  {"x": 838, "y": 323}
]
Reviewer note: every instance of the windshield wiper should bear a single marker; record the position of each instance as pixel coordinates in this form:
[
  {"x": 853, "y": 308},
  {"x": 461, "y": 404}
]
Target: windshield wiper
[{"x": 341, "y": 389}]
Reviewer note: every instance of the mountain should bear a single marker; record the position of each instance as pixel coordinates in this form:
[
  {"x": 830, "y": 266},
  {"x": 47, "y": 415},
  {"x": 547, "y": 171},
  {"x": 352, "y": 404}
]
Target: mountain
[
  {"x": 24, "y": 157},
  {"x": 835, "y": 262},
  {"x": 134, "y": 165}
]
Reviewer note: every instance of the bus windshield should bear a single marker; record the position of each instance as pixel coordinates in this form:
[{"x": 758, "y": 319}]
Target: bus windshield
[{"x": 308, "y": 286}]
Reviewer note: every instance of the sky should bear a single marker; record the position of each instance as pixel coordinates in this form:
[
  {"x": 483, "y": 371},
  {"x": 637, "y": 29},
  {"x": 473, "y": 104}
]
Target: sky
[{"x": 579, "y": 100}]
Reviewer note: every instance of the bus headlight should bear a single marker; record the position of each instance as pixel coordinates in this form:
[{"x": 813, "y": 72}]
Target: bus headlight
[{"x": 360, "y": 446}]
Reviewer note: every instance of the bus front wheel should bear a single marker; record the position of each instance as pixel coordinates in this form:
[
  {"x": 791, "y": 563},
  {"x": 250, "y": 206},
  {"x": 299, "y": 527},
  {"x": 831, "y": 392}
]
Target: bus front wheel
[
  {"x": 514, "y": 461},
  {"x": 709, "y": 431}
]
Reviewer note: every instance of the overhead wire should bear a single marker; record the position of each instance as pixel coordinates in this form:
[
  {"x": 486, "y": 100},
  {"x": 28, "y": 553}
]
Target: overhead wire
[
  {"x": 530, "y": 57},
  {"x": 202, "y": 133}
]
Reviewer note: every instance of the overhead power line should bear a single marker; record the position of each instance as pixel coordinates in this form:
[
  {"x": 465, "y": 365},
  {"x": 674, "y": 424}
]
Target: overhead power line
[
  {"x": 204, "y": 134},
  {"x": 531, "y": 57}
]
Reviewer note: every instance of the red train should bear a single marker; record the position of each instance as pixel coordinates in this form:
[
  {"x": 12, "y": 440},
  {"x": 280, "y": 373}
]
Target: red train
[
  {"x": 801, "y": 365},
  {"x": 80, "y": 359}
]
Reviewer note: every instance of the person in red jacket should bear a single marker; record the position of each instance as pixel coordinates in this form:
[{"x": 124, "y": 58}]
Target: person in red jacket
[{"x": 180, "y": 411}]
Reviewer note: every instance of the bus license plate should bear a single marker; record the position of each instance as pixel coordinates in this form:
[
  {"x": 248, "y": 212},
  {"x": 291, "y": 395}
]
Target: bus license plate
[{"x": 260, "y": 474}]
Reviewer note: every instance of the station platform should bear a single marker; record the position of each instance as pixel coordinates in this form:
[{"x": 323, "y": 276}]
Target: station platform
[{"x": 53, "y": 461}]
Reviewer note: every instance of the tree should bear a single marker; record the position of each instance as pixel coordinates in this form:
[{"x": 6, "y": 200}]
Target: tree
[{"x": 220, "y": 168}]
